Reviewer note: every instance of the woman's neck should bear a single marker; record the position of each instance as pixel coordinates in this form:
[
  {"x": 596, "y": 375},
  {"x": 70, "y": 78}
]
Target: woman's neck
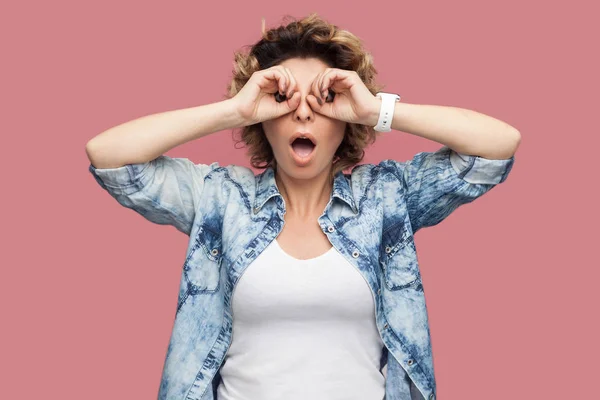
[{"x": 305, "y": 198}]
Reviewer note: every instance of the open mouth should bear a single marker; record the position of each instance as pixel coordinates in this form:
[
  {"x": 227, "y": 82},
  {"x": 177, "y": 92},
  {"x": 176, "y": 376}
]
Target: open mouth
[{"x": 303, "y": 147}]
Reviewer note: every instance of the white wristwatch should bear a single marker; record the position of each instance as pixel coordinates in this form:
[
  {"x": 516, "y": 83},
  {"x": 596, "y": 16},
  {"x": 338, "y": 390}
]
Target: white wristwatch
[{"x": 386, "y": 113}]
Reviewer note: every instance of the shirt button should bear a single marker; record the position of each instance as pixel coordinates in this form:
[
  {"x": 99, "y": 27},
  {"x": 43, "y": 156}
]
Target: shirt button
[
  {"x": 388, "y": 249},
  {"x": 378, "y": 291},
  {"x": 431, "y": 396},
  {"x": 355, "y": 254},
  {"x": 214, "y": 252},
  {"x": 330, "y": 228},
  {"x": 410, "y": 362},
  {"x": 385, "y": 326}
]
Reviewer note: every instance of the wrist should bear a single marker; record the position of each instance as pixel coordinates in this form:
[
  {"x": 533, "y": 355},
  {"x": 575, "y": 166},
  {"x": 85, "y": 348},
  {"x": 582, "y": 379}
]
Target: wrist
[
  {"x": 235, "y": 116},
  {"x": 373, "y": 114}
]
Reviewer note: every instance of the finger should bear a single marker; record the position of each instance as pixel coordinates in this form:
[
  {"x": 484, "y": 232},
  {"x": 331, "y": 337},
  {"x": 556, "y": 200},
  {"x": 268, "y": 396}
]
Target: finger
[
  {"x": 314, "y": 87},
  {"x": 322, "y": 87},
  {"x": 337, "y": 76},
  {"x": 293, "y": 83},
  {"x": 272, "y": 79},
  {"x": 286, "y": 86},
  {"x": 282, "y": 81}
]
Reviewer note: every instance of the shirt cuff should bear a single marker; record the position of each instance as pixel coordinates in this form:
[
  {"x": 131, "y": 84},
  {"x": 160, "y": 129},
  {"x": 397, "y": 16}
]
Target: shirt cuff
[
  {"x": 480, "y": 170},
  {"x": 127, "y": 179}
]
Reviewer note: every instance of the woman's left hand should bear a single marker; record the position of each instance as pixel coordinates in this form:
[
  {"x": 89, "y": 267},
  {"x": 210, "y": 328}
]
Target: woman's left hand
[{"x": 344, "y": 96}]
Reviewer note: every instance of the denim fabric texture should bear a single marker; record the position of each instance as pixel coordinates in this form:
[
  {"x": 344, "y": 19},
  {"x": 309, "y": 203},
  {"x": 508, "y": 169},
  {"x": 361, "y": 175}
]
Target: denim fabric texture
[{"x": 231, "y": 215}]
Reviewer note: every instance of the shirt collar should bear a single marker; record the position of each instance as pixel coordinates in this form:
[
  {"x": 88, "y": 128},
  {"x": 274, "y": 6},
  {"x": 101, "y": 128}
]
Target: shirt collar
[{"x": 267, "y": 188}]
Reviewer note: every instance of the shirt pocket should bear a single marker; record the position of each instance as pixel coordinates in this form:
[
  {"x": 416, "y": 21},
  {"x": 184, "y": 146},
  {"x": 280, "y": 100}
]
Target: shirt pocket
[
  {"x": 202, "y": 267},
  {"x": 398, "y": 257}
]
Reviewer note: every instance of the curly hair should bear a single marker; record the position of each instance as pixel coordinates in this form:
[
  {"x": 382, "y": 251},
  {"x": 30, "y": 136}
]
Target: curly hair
[{"x": 309, "y": 37}]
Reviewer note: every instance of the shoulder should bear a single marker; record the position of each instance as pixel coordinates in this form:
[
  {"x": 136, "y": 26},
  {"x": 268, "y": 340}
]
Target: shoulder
[
  {"x": 238, "y": 176},
  {"x": 387, "y": 170},
  {"x": 231, "y": 171}
]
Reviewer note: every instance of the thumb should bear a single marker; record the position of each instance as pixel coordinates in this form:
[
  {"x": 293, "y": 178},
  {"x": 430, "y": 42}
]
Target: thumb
[
  {"x": 314, "y": 104},
  {"x": 288, "y": 105},
  {"x": 284, "y": 107},
  {"x": 293, "y": 102}
]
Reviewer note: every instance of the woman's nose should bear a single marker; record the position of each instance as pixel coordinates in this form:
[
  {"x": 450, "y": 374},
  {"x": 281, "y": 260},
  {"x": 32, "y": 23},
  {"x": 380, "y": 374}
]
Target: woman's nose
[{"x": 303, "y": 112}]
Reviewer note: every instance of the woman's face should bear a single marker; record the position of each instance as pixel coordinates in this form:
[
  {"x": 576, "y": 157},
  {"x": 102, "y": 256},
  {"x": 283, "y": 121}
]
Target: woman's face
[{"x": 303, "y": 160}]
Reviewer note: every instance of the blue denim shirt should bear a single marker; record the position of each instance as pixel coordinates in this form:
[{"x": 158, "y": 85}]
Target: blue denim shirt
[{"x": 231, "y": 215}]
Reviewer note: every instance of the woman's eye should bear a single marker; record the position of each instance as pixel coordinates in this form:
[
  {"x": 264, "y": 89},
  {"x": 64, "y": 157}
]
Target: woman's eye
[
  {"x": 330, "y": 94},
  {"x": 279, "y": 97}
]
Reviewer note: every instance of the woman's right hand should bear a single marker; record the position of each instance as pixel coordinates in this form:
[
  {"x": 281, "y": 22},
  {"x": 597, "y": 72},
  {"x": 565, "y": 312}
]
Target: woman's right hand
[{"x": 261, "y": 97}]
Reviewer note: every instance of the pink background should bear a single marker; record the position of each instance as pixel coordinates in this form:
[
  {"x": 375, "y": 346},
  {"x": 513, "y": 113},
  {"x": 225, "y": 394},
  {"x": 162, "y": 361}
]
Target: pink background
[{"x": 89, "y": 288}]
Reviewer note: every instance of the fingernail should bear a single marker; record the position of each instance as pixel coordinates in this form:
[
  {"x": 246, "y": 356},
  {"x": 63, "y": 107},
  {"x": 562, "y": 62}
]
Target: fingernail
[{"x": 319, "y": 101}]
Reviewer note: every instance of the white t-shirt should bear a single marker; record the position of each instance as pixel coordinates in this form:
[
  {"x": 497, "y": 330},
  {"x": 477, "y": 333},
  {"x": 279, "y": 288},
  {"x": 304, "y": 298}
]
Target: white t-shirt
[{"x": 302, "y": 329}]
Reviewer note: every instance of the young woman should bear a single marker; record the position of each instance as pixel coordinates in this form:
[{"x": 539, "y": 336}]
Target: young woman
[{"x": 302, "y": 282}]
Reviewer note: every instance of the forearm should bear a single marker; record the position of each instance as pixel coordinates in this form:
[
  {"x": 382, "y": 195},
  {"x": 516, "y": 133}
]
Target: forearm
[
  {"x": 464, "y": 131},
  {"x": 143, "y": 139}
]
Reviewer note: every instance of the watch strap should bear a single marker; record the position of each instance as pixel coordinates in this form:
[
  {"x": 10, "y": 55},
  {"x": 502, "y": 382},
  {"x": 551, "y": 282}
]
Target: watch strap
[{"x": 386, "y": 112}]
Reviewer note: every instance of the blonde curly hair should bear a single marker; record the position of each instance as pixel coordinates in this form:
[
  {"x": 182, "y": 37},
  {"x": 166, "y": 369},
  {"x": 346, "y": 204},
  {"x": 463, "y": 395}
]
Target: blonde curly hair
[{"x": 311, "y": 37}]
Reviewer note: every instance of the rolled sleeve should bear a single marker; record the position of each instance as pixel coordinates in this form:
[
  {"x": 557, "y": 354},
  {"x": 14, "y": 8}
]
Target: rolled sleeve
[
  {"x": 165, "y": 190},
  {"x": 125, "y": 180},
  {"x": 474, "y": 169},
  {"x": 436, "y": 183}
]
